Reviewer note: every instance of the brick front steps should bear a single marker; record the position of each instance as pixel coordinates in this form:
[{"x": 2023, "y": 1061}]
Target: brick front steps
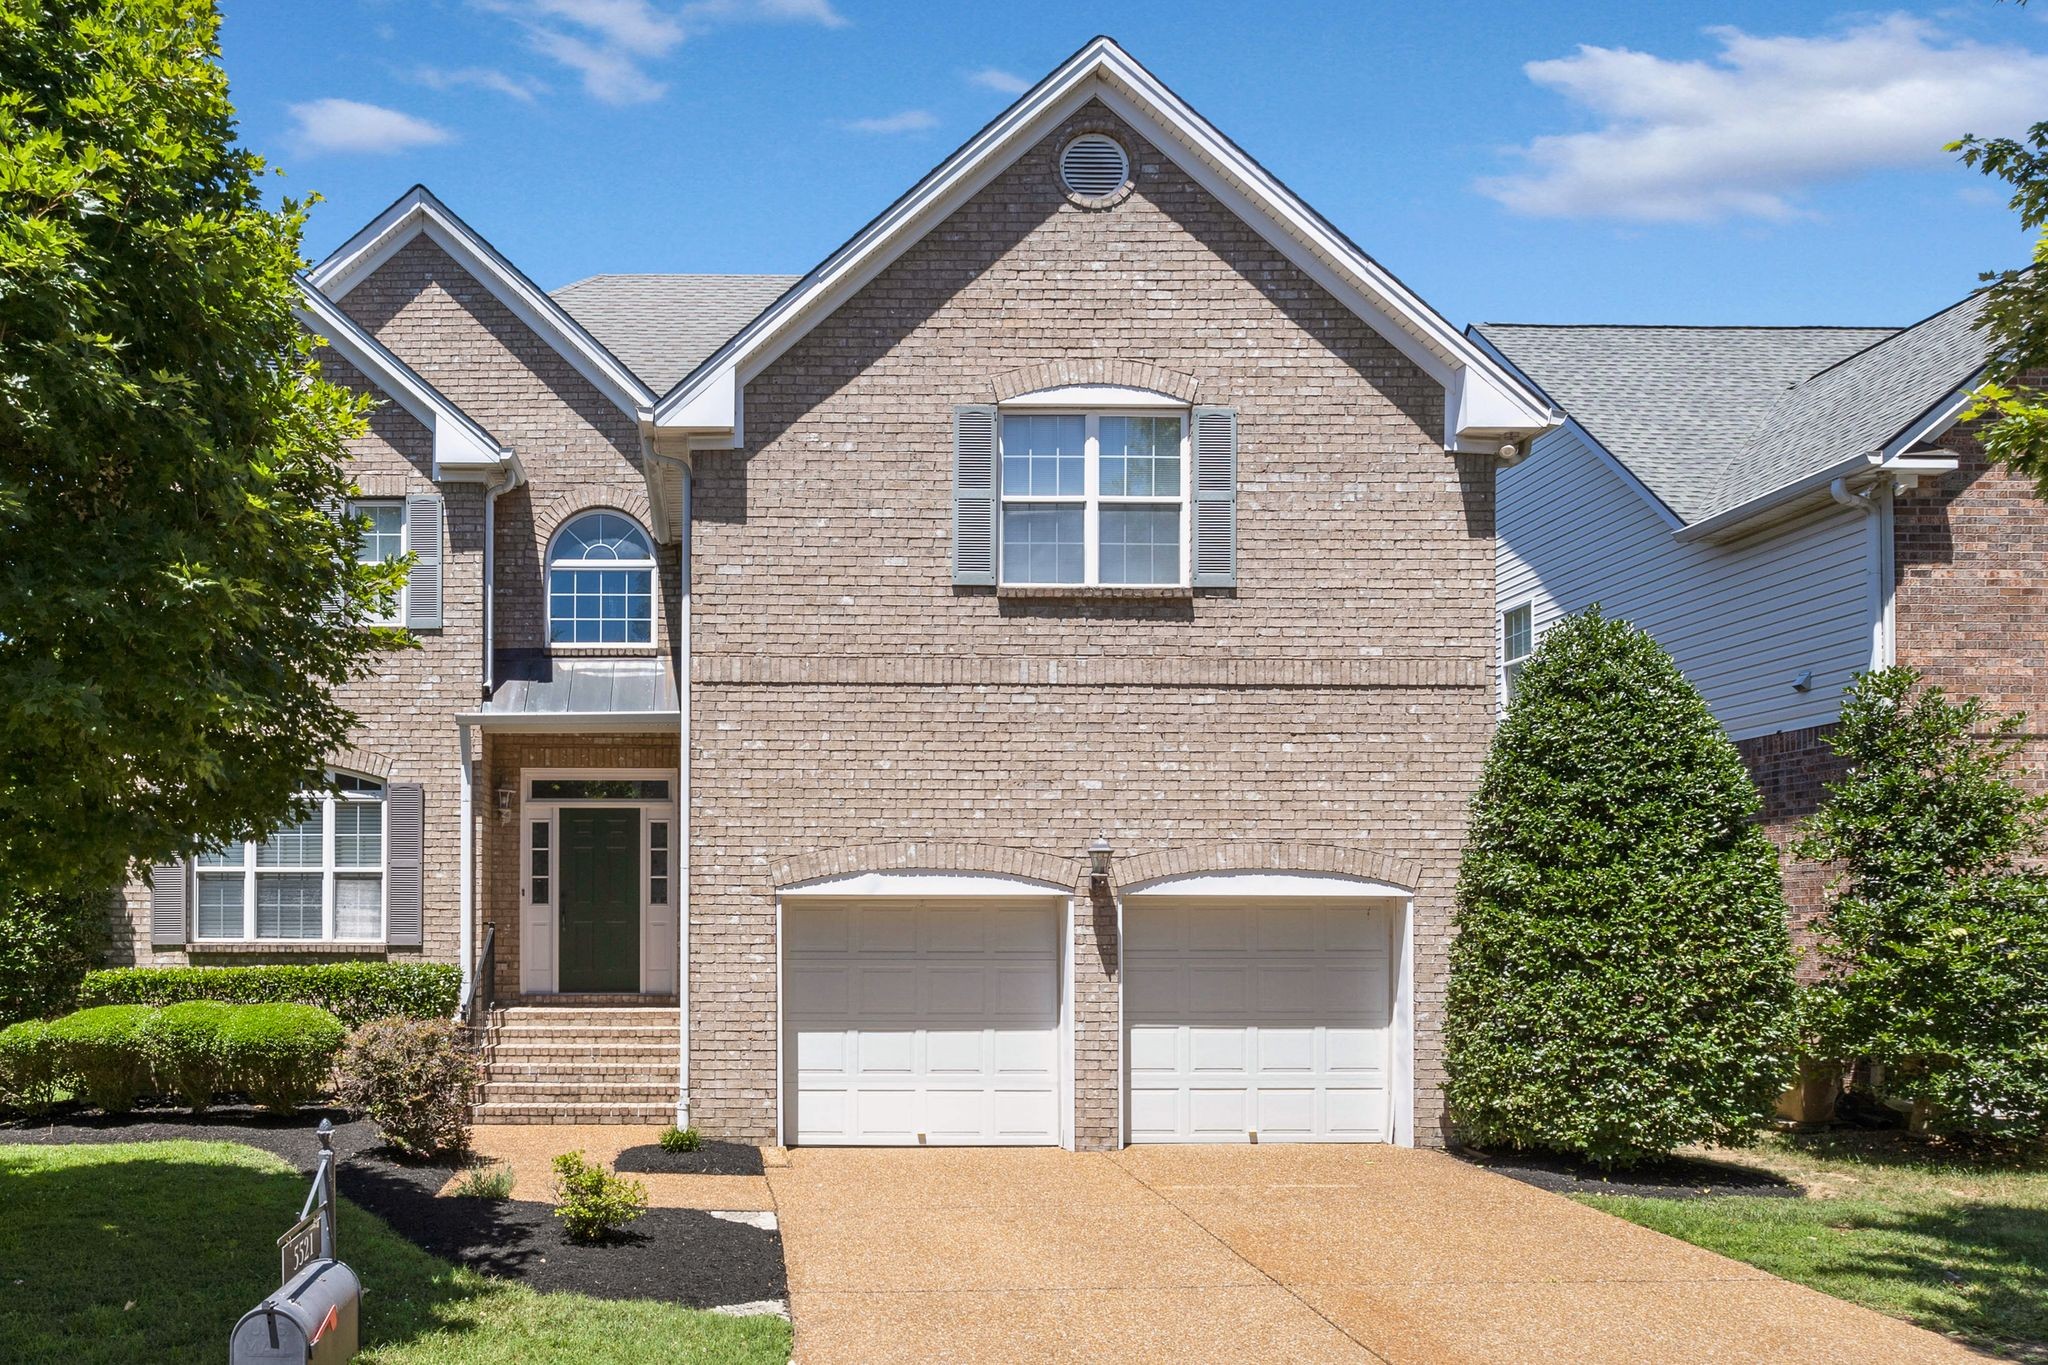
[{"x": 581, "y": 1062}]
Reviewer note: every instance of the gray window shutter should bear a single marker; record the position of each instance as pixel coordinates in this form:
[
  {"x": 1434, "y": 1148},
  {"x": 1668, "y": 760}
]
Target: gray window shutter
[
  {"x": 405, "y": 819},
  {"x": 423, "y": 538},
  {"x": 1215, "y": 447},
  {"x": 167, "y": 923},
  {"x": 974, "y": 494}
]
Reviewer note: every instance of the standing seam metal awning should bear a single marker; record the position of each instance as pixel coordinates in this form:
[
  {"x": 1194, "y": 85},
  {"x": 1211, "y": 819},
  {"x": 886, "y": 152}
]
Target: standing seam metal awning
[{"x": 583, "y": 694}]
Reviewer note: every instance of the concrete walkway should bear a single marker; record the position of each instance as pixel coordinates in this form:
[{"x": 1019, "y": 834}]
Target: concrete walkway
[{"x": 1199, "y": 1254}]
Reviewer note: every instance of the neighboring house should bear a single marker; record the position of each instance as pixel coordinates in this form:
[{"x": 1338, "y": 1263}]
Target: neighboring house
[
  {"x": 1783, "y": 508},
  {"x": 798, "y": 651}
]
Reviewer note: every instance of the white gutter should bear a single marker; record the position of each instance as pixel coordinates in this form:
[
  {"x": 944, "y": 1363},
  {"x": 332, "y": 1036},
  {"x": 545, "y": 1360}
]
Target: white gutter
[{"x": 1876, "y": 462}]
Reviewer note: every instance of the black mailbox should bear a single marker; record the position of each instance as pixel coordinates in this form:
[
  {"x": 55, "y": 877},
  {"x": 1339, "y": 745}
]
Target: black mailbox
[{"x": 311, "y": 1321}]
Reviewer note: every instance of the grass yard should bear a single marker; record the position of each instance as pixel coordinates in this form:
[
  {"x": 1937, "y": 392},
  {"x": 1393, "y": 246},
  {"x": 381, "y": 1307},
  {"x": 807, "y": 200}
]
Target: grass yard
[
  {"x": 1958, "y": 1247},
  {"x": 150, "y": 1251}
]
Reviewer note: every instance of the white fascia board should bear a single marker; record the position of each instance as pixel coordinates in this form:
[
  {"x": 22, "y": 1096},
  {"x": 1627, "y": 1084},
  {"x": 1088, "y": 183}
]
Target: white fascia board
[
  {"x": 1104, "y": 71},
  {"x": 913, "y": 883},
  {"x": 1269, "y": 886},
  {"x": 462, "y": 448},
  {"x": 1936, "y": 421},
  {"x": 419, "y": 213}
]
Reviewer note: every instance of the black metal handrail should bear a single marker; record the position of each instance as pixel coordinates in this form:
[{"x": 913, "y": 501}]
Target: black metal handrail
[{"x": 477, "y": 1009}]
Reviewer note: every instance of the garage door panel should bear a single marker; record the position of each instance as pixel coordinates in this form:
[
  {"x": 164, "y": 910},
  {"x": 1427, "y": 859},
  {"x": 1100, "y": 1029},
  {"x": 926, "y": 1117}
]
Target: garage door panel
[
  {"x": 1214, "y": 929},
  {"x": 1150, "y": 991},
  {"x": 929, "y": 1021},
  {"x": 1216, "y": 1049},
  {"x": 1286, "y": 1113},
  {"x": 1356, "y": 1113},
  {"x": 1217, "y": 1113},
  {"x": 1288, "y": 928},
  {"x": 1355, "y": 1050},
  {"x": 1154, "y": 1049},
  {"x": 1286, "y": 1049}
]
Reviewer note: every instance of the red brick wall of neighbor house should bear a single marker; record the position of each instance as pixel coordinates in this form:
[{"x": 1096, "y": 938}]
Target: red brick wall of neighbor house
[
  {"x": 848, "y": 694},
  {"x": 1791, "y": 770}
]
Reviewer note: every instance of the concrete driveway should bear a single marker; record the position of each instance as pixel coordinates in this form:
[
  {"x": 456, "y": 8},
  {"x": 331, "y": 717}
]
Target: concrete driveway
[{"x": 1265, "y": 1254}]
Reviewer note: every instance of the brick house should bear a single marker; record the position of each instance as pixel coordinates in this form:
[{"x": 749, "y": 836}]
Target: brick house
[
  {"x": 1783, "y": 508},
  {"x": 1019, "y": 682}
]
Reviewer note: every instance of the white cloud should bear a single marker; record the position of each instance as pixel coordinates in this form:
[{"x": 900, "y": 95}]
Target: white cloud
[
  {"x": 908, "y": 121},
  {"x": 999, "y": 80},
  {"x": 476, "y": 78},
  {"x": 615, "y": 45},
  {"x": 1742, "y": 134},
  {"x": 333, "y": 125}
]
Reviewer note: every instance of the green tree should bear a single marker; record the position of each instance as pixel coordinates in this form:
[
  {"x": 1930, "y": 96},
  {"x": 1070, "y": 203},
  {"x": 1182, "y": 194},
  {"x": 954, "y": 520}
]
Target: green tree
[
  {"x": 1934, "y": 938},
  {"x": 177, "y": 603},
  {"x": 48, "y": 941},
  {"x": 1621, "y": 980}
]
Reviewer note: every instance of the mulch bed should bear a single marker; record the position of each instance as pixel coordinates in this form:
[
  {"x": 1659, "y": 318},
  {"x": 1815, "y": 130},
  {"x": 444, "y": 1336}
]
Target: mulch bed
[
  {"x": 1670, "y": 1178},
  {"x": 713, "y": 1158},
  {"x": 672, "y": 1255}
]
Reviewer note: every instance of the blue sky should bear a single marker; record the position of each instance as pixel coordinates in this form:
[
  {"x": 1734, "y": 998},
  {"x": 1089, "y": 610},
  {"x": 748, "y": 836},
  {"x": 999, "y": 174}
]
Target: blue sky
[{"x": 1591, "y": 161}]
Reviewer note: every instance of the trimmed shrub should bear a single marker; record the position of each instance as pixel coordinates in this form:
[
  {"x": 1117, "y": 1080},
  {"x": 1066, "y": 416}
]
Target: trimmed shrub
[
  {"x": 674, "y": 1139},
  {"x": 29, "y": 1074},
  {"x": 49, "y": 941},
  {"x": 1933, "y": 939},
  {"x": 104, "y": 1050},
  {"x": 491, "y": 1183},
  {"x": 1621, "y": 980},
  {"x": 183, "y": 1046},
  {"x": 353, "y": 992},
  {"x": 416, "y": 1078},
  {"x": 591, "y": 1201},
  {"x": 279, "y": 1056}
]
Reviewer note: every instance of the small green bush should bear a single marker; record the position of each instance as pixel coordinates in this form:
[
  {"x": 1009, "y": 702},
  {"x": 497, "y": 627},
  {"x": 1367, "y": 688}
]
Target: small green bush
[
  {"x": 674, "y": 1139},
  {"x": 29, "y": 1074},
  {"x": 183, "y": 1046},
  {"x": 416, "y": 1078},
  {"x": 591, "y": 1201},
  {"x": 279, "y": 1055},
  {"x": 49, "y": 941},
  {"x": 104, "y": 1049},
  {"x": 354, "y": 992},
  {"x": 493, "y": 1183}
]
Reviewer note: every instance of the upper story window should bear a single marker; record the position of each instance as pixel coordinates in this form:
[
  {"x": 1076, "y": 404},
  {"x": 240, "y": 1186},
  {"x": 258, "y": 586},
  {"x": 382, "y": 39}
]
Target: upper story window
[
  {"x": 383, "y": 540},
  {"x": 1093, "y": 499},
  {"x": 320, "y": 877},
  {"x": 601, "y": 583},
  {"x": 1517, "y": 642}
]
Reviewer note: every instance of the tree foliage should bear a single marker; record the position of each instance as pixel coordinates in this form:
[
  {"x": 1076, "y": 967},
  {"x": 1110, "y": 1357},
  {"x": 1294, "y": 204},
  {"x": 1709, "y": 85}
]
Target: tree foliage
[
  {"x": 1935, "y": 932},
  {"x": 1621, "y": 980},
  {"x": 177, "y": 603},
  {"x": 49, "y": 940}
]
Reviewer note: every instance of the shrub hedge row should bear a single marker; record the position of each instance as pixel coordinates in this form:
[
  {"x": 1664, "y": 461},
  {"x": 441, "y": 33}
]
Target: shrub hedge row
[
  {"x": 280, "y": 1055},
  {"x": 354, "y": 992}
]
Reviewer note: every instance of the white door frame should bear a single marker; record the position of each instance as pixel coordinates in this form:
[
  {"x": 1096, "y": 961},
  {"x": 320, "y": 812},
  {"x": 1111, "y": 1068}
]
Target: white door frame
[
  {"x": 948, "y": 885},
  {"x": 657, "y": 922}
]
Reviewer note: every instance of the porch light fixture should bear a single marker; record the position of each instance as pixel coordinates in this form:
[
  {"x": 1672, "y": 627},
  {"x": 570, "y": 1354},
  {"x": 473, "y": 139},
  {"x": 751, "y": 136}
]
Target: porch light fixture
[{"x": 1098, "y": 863}]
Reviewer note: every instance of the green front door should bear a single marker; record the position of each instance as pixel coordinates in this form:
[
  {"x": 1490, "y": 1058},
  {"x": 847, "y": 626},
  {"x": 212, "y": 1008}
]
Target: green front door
[{"x": 600, "y": 900}]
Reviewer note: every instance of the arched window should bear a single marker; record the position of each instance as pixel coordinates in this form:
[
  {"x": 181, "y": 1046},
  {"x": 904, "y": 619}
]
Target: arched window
[{"x": 601, "y": 583}]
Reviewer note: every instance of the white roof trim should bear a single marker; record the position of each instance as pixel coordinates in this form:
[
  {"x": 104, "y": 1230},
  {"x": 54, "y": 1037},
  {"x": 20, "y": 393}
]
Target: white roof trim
[
  {"x": 924, "y": 884},
  {"x": 1270, "y": 886},
  {"x": 1858, "y": 468},
  {"x": 418, "y": 212},
  {"x": 1482, "y": 397},
  {"x": 1095, "y": 396},
  {"x": 462, "y": 448}
]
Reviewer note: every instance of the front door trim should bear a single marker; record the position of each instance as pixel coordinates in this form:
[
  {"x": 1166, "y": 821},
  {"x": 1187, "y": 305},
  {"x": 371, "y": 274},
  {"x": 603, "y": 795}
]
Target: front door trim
[{"x": 659, "y": 946}]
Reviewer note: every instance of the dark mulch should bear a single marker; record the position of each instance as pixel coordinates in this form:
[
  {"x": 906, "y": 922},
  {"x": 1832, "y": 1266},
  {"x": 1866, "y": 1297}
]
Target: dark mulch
[
  {"x": 1670, "y": 1178},
  {"x": 713, "y": 1158},
  {"x": 672, "y": 1255}
]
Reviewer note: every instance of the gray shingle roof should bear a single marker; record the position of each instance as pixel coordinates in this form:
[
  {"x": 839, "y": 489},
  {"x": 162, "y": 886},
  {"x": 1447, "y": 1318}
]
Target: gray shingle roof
[{"x": 663, "y": 326}]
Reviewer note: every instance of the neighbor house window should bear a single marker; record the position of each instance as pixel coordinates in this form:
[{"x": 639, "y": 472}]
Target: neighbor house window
[
  {"x": 601, "y": 583},
  {"x": 1516, "y": 641},
  {"x": 321, "y": 877},
  {"x": 383, "y": 540},
  {"x": 1095, "y": 499}
]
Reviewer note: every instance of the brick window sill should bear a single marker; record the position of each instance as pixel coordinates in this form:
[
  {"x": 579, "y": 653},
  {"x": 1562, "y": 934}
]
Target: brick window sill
[
  {"x": 1164, "y": 592},
  {"x": 296, "y": 947}
]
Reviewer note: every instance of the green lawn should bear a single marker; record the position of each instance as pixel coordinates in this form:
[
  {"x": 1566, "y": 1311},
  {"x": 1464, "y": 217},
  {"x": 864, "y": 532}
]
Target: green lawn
[
  {"x": 1955, "y": 1246},
  {"x": 150, "y": 1251}
]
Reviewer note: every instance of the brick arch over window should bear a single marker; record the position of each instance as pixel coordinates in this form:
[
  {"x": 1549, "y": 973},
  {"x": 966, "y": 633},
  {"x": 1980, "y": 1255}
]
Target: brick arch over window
[
  {"x": 922, "y": 856},
  {"x": 593, "y": 497},
  {"x": 1131, "y": 374},
  {"x": 362, "y": 762},
  {"x": 1336, "y": 859}
]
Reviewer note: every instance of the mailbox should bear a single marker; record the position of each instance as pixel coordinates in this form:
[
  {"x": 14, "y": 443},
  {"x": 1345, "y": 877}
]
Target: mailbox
[{"x": 311, "y": 1321}]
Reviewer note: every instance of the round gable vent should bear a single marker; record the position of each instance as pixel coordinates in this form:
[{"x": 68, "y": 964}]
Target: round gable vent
[{"x": 1094, "y": 166}]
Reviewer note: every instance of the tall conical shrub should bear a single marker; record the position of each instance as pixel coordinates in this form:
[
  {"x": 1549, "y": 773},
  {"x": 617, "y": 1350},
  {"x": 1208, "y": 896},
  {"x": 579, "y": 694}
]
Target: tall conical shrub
[{"x": 1621, "y": 980}]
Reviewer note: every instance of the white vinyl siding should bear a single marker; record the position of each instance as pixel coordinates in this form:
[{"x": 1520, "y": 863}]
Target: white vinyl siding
[{"x": 1743, "y": 620}]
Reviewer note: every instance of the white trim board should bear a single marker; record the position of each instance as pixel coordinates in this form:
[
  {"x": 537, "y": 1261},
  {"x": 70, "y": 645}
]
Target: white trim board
[{"x": 913, "y": 883}]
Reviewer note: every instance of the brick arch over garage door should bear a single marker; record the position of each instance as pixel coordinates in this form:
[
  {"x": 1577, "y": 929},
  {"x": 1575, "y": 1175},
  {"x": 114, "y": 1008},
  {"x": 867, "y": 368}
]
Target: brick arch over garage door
[
  {"x": 923, "y": 856},
  {"x": 1333, "y": 859}
]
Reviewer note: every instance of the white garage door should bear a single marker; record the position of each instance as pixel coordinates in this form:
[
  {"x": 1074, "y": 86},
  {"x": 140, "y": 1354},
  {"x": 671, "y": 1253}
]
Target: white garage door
[
  {"x": 1270, "y": 1018},
  {"x": 921, "y": 1022}
]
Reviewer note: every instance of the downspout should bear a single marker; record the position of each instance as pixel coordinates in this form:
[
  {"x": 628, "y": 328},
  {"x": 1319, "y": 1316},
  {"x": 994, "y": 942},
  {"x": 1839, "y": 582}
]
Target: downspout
[
  {"x": 487, "y": 656},
  {"x": 682, "y": 841},
  {"x": 467, "y": 841},
  {"x": 1874, "y": 504}
]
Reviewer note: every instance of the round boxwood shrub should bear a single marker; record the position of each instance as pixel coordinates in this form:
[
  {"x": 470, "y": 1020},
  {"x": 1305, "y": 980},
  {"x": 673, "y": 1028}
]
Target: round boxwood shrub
[
  {"x": 183, "y": 1045},
  {"x": 29, "y": 1074},
  {"x": 1621, "y": 980},
  {"x": 280, "y": 1055},
  {"x": 103, "y": 1050},
  {"x": 415, "y": 1077}
]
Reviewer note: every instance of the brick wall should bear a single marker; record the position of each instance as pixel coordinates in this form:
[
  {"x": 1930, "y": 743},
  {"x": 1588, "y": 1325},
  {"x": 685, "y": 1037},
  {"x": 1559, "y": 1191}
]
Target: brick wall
[
  {"x": 1790, "y": 770},
  {"x": 848, "y": 694}
]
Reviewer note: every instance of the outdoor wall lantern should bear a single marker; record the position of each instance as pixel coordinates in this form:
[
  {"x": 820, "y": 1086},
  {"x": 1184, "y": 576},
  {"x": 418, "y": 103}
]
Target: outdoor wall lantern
[{"x": 1098, "y": 864}]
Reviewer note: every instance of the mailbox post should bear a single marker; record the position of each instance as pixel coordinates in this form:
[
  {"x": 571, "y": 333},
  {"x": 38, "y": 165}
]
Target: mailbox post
[{"x": 315, "y": 1317}]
